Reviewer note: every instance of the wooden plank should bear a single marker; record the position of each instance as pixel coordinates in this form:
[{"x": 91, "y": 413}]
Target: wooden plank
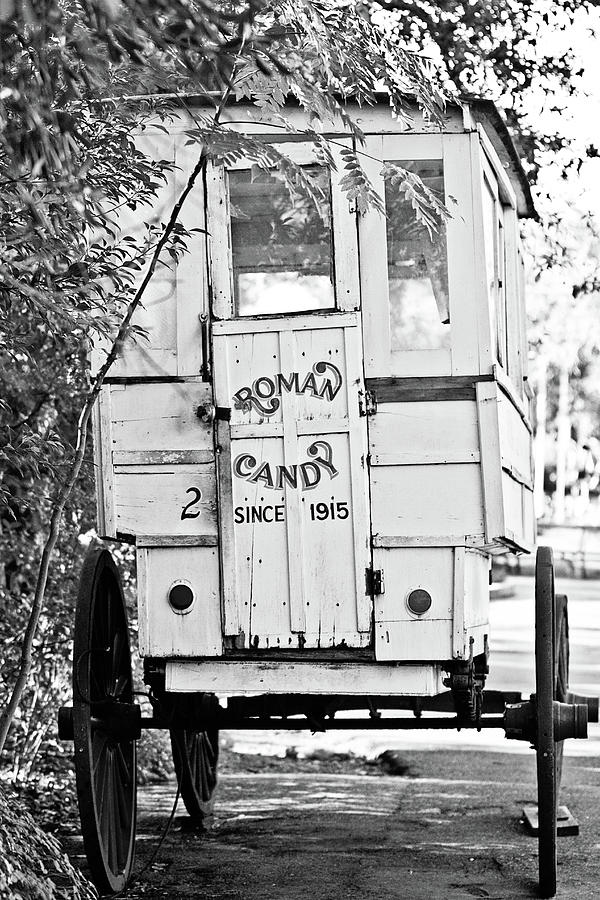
[
  {"x": 162, "y": 500},
  {"x": 373, "y": 277},
  {"x": 509, "y": 389},
  {"x": 176, "y": 540},
  {"x": 295, "y": 535},
  {"x": 161, "y": 417},
  {"x": 217, "y": 223},
  {"x": 481, "y": 299},
  {"x": 408, "y": 641},
  {"x": 418, "y": 500},
  {"x": 98, "y": 469},
  {"x": 390, "y": 389},
  {"x": 461, "y": 254},
  {"x": 345, "y": 238},
  {"x": 476, "y": 590},
  {"x": 422, "y": 432},
  {"x": 231, "y": 619},
  {"x": 246, "y": 678},
  {"x": 389, "y": 541},
  {"x": 491, "y": 472},
  {"x": 358, "y": 478},
  {"x": 162, "y": 457},
  {"x": 515, "y": 311},
  {"x": 295, "y": 322},
  {"x": 153, "y": 379},
  {"x": 458, "y": 605},
  {"x": 191, "y": 270},
  {"x": 517, "y": 476},
  {"x": 262, "y": 429},
  {"x": 142, "y": 600},
  {"x": 418, "y": 458},
  {"x": 107, "y": 472}
]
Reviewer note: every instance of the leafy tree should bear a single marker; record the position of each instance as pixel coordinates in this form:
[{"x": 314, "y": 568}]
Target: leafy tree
[{"x": 68, "y": 160}]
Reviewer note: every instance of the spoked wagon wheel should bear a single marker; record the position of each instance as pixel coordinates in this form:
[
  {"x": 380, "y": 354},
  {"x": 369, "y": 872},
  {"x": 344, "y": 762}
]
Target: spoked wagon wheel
[
  {"x": 105, "y": 763},
  {"x": 552, "y": 677},
  {"x": 195, "y": 755}
]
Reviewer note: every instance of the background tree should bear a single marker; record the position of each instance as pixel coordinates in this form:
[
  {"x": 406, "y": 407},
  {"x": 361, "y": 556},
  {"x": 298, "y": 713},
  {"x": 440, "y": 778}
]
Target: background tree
[{"x": 68, "y": 160}]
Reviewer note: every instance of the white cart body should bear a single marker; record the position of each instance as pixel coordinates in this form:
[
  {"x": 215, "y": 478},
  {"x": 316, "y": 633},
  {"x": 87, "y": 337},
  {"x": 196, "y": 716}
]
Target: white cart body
[{"x": 304, "y": 470}]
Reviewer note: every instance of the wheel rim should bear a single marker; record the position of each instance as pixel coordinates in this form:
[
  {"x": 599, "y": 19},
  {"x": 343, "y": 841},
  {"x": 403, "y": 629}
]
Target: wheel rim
[
  {"x": 195, "y": 755},
  {"x": 105, "y": 767},
  {"x": 545, "y": 672},
  {"x": 561, "y": 672}
]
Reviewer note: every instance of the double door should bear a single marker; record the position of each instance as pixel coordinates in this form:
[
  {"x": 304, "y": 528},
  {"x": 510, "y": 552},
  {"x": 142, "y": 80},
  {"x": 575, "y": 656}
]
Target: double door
[{"x": 291, "y": 439}]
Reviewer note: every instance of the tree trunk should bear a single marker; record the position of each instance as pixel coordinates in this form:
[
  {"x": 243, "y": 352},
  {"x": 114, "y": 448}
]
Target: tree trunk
[{"x": 563, "y": 437}]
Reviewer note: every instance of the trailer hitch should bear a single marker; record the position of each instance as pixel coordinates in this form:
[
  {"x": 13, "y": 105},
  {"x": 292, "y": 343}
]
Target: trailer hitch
[{"x": 569, "y": 719}]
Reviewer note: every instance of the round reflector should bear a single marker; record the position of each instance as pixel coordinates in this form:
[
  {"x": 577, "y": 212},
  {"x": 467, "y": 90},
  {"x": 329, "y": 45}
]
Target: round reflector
[
  {"x": 419, "y": 601},
  {"x": 181, "y": 597}
]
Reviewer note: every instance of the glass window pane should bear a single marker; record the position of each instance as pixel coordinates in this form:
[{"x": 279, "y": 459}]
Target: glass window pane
[
  {"x": 281, "y": 244},
  {"x": 417, "y": 267}
]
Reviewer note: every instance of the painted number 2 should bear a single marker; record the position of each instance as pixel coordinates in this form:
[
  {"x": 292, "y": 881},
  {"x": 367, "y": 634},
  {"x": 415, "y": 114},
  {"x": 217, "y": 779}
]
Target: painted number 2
[{"x": 185, "y": 512}]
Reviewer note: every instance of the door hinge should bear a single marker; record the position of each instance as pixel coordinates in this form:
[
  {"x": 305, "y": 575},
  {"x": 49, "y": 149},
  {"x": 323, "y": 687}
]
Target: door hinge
[
  {"x": 367, "y": 403},
  {"x": 374, "y": 582}
]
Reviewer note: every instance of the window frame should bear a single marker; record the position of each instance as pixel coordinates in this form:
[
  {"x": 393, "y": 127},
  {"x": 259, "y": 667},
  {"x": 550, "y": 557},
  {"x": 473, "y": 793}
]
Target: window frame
[
  {"x": 343, "y": 230},
  {"x": 461, "y": 358}
]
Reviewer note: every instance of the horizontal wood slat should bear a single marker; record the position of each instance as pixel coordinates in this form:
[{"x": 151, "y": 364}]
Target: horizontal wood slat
[
  {"x": 411, "y": 390},
  {"x": 162, "y": 457},
  {"x": 176, "y": 540}
]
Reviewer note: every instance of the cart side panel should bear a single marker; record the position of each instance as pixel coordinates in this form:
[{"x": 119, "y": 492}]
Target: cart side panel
[
  {"x": 455, "y": 578},
  {"x": 162, "y": 630},
  {"x": 157, "y": 461}
]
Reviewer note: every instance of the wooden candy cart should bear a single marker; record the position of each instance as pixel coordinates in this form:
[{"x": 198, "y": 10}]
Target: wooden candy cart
[{"x": 317, "y": 452}]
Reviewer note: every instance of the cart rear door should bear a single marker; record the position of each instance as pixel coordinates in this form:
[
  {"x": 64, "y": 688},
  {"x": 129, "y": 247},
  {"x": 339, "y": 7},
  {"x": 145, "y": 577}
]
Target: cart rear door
[{"x": 291, "y": 439}]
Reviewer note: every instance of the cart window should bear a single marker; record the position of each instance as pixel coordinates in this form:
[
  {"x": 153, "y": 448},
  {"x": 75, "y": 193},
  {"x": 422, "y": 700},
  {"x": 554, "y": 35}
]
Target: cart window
[
  {"x": 281, "y": 244},
  {"x": 417, "y": 267}
]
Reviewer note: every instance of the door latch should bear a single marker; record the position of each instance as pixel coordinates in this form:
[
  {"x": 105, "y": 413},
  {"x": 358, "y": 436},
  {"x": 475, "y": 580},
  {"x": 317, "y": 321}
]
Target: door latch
[
  {"x": 374, "y": 583},
  {"x": 367, "y": 403}
]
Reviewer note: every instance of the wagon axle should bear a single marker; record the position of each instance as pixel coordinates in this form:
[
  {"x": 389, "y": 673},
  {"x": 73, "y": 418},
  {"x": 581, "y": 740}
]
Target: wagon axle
[{"x": 124, "y": 721}]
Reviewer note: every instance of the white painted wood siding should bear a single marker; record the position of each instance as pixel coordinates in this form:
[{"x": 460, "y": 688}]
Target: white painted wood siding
[
  {"x": 162, "y": 630},
  {"x": 456, "y": 579},
  {"x": 158, "y": 460}
]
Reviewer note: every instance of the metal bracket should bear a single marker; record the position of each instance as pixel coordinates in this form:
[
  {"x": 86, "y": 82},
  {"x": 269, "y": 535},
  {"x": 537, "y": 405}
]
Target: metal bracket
[
  {"x": 367, "y": 403},
  {"x": 374, "y": 582}
]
